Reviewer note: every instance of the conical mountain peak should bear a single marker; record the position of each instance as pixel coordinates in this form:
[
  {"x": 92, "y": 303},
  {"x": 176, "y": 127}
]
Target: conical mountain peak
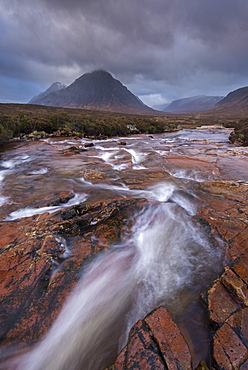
[{"x": 97, "y": 90}]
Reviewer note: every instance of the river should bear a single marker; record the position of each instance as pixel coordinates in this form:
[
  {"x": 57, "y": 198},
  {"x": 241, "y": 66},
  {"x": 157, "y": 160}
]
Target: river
[{"x": 164, "y": 258}]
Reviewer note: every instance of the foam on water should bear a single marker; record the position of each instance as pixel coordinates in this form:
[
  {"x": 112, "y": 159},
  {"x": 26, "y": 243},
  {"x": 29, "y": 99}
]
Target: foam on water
[
  {"x": 41, "y": 171},
  {"x": 136, "y": 156},
  {"x": 9, "y": 166},
  {"x": 83, "y": 334},
  {"x": 138, "y": 167},
  {"x": 110, "y": 156},
  {"x": 174, "y": 256},
  {"x": 86, "y": 182},
  {"x": 162, "y": 152},
  {"x": 166, "y": 255},
  {"x": 185, "y": 201},
  {"x": 28, "y": 211},
  {"x": 109, "y": 149},
  {"x": 161, "y": 192},
  {"x": 12, "y": 163},
  {"x": 188, "y": 174},
  {"x": 2, "y": 175},
  {"x": 3, "y": 199},
  {"x": 59, "y": 142},
  {"x": 120, "y": 167},
  {"x": 107, "y": 155},
  {"x": 106, "y": 140},
  {"x": 121, "y": 187}
]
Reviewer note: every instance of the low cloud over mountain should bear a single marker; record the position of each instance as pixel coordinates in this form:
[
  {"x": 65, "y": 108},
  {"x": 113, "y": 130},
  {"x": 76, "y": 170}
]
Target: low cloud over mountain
[{"x": 97, "y": 90}]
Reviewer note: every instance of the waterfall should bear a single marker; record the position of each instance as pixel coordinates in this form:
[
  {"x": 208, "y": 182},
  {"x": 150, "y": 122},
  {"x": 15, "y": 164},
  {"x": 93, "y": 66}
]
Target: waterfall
[{"x": 166, "y": 257}]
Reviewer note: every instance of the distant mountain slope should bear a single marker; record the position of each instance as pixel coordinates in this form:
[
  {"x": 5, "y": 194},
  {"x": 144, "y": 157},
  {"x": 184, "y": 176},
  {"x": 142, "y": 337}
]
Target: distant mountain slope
[
  {"x": 234, "y": 104},
  {"x": 97, "y": 90},
  {"x": 54, "y": 87},
  {"x": 193, "y": 104},
  {"x": 236, "y": 97}
]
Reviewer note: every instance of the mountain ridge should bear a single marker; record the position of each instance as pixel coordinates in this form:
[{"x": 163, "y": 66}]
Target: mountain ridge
[
  {"x": 97, "y": 90},
  {"x": 56, "y": 86},
  {"x": 234, "y": 104},
  {"x": 193, "y": 104},
  {"x": 235, "y": 96}
]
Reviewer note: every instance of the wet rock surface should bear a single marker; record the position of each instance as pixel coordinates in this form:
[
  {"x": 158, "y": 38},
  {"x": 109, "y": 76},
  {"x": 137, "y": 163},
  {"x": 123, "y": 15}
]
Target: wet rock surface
[
  {"x": 227, "y": 298},
  {"x": 43, "y": 256},
  {"x": 155, "y": 343},
  {"x": 37, "y": 272}
]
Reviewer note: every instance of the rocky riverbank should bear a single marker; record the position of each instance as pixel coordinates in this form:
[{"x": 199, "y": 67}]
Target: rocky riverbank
[
  {"x": 157, "y": 341},
  {"x": 34, "y": 287},
  {"x": 43, "y": 255}
]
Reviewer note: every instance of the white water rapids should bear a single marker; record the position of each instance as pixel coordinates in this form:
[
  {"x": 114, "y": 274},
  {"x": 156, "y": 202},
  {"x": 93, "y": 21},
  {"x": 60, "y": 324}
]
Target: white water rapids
[{"x": 164, "y": 257}]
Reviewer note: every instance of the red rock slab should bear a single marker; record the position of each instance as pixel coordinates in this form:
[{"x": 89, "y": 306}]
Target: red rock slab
[
  {"x": 155, "y": 343},
  {"x": 37, "y": 277},
  {"x": 228, "y": 352},
  {"x": 186, "y": 161},
  {"x": 30, "y": 298},
  {"x": 226, "y": 211},
  {"x": 221, "y": 304},
  {"x": 219, "y": 356},
  {"x": 242, "y": 238},
  {"x": 239, "y": 323},
  {"x": 170, "y": 341},
  {"x": 142, "y": 350},
  {"x": 240, "y": 267},
  {"x": 140, "y": 353},
  {"x": 235, "y": 285}
]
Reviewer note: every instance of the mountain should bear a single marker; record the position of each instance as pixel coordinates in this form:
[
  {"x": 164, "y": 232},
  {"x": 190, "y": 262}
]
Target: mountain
[
  {"x": 193, "y": 104},
  {"x": 54, "y": 87},
  {"x": 235, "y": 104},
  {"x": 97, "y": 90},
  {"x": 235, "y": 98}
]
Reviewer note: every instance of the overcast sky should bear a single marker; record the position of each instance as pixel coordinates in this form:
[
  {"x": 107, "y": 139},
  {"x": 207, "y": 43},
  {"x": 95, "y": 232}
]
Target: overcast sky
[{"x": 161, "y": 50}]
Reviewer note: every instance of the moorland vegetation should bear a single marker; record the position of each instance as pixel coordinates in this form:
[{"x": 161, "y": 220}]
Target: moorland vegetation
[{"x": 26, "y": 121}]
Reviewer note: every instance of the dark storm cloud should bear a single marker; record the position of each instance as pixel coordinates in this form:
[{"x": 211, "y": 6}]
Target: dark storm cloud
[{"x": 173, "y": 48}]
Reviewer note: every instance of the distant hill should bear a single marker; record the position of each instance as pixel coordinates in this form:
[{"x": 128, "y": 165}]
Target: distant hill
[
  {"x": 235, "y": 98},
  {"x": 97, "y": 90},
  {"x": 235, "y": 104},
  {"x": 56, "y": 86},
  {"x": 193, "y": 104}
]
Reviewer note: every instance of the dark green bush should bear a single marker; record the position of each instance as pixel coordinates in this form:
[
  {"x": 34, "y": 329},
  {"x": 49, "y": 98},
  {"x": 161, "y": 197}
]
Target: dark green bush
[
  {"x": 18, "y": 124},
  {"x": 5, "y": 135},
  {"x": 240, "y": 133}
]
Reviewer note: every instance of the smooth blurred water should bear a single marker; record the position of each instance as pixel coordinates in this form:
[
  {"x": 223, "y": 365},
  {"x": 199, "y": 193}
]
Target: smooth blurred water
[
  {"x": 166, "y": 256},
  {"x": 167, "y": 259}
]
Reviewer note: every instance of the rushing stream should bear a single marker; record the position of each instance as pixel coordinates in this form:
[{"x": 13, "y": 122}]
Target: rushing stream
[{"x": 166, "y": 258}]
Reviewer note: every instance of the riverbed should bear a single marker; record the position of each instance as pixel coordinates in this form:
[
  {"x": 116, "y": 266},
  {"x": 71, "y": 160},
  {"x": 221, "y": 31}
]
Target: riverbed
[{"x": 159, "y": 255}]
